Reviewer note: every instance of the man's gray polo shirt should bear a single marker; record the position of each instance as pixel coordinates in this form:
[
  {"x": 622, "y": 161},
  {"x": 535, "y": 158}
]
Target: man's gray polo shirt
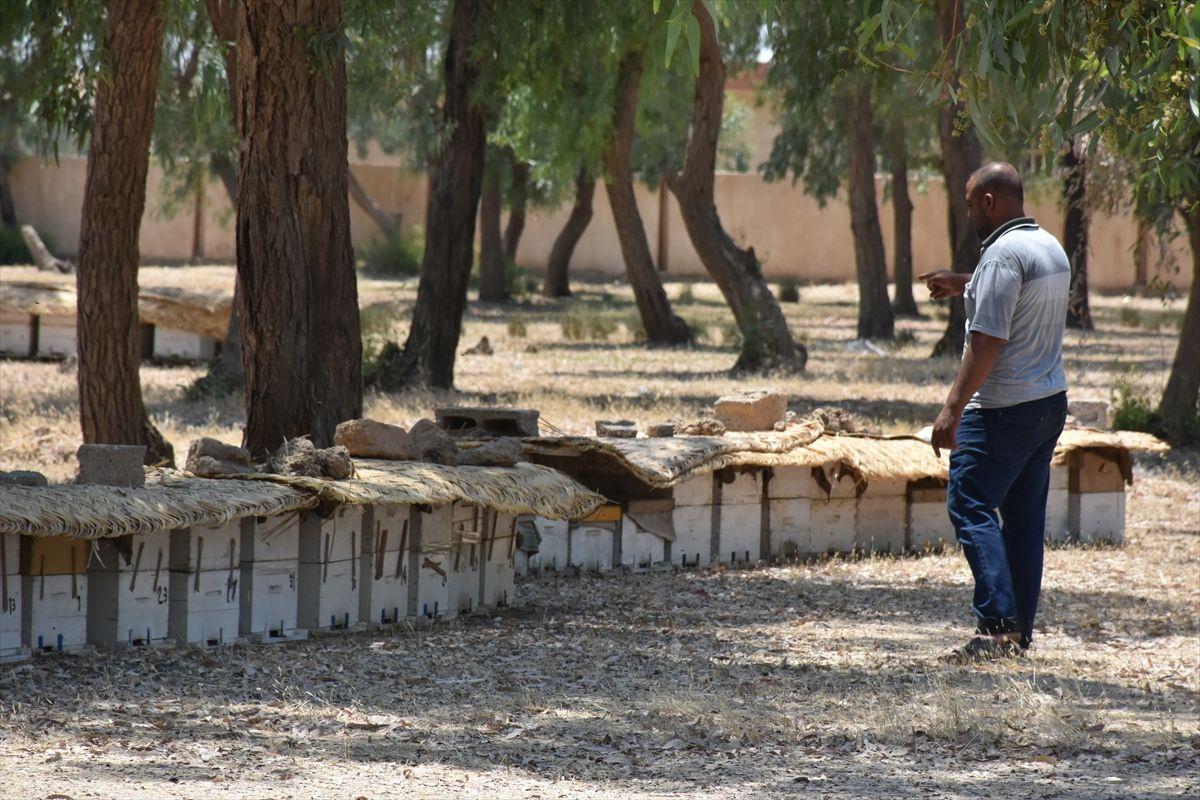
[{"x": 1019, "y": 294}]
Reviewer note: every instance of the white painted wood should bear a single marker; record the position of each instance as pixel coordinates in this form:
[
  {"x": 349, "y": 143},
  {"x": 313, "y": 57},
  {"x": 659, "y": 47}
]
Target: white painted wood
[
  {"x": 56, "y": 336},
  {"x": 592, "y": 546},
  {"x": 639, "y": 548},
  {"x": 930, "y": 526},
  {"x": 879, "y": 521},
  {"x": 56, "y": 609},
  {"x": 834, "y": 525},
  {"x": 793, "y": 482},
  {"x": 741, "y": 533},
  {"x": 693, "y": 535},
  {"x": 552, "y": 551},
  {"x": 696, "y": 491},
  {"x": 10, "y": 597},
  {"x": 128, "y": 593},
  {"x": 16, "y": 334},
  {"x": 1098, "y": 517},
  {"x": 183, "y": 345},
  {"x": 791, "y": 525}
]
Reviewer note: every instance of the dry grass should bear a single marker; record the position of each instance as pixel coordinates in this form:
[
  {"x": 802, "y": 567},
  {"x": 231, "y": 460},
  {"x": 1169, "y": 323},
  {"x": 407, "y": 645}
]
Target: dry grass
[{"x": 817, "y": 679}]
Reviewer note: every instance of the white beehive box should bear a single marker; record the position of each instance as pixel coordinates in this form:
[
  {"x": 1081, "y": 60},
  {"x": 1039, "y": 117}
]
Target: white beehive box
[
  {"x": 693, "y": 518},
  {"x": 128, "y": 590},
  {"x": 927, "y": 520},
  {"x": 429, "y": 561},
  {"x": 270, "y": 570},
  {"x": 552, "y": 551},
  {"x": 327, "y": 596},
  {"x": 647, "y": 533},
  {"x": 10, "y": 597},
  {"x": 203, "y": 587},
  {"x": 465, "y": 562},
  {"x": 879, "y": 518},
  {"x": 591, "y": 545},
  {"x": 834, "y": 511},
  {"x": 789, "y": 498},
  {"x": 1058, "y": 528},
  {"x": 740, "y": 496},
  {"x": 383, "y": 591},
  {"x": 183, "y": 345},
  {"x": 55, "y": 336},
  {"x": 54, "y": 585},
  {"x": 16, "y": 334},
  {"x": 499, "y": 582},
  {"x": 1096, "y": 499}
]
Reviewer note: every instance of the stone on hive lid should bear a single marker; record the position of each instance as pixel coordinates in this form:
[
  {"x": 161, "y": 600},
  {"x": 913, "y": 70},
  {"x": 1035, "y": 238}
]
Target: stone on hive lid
[
  {"x": 369, "y": 438},
  {"x": 473, "y": 421},
  {"x": 660, "y": 429},
  {"x": 433, "y": 444},
  {"x": 112, "y": 464},
  {"x": 616, "y": 429},
  {"x": 1089, "y": 411},
  {"x": 751, "y": 410},
  {"x": 504, "y": 452}
]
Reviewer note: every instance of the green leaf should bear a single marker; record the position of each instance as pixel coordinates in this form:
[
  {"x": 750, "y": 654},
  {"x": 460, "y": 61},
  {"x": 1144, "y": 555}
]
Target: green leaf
[
  {"x": 673, "y": 30},
  {"x": 1190, "y": 42},
  {"x": 1086, "y": 124},
  {"x": 1194, "y": 99},
  {"x": 1018, "y": 53},
  {"x": 656, "y": 5},
  {"x": 985, "y": 62}
]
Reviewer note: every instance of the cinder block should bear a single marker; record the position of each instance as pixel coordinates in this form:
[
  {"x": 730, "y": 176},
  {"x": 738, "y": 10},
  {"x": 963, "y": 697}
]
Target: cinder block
[
  {"x": 270, "y": 566},
  {"x": 128, "y": 588},
  {"x": 112, "y": 464},
  {"x": 488, "y": 421},
  {"x": 328, "y": 580}
]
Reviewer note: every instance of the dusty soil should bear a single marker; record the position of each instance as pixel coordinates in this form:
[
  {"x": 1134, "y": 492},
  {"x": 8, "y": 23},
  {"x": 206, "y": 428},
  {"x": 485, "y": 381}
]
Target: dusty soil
[{"x": 819, "y": 680}]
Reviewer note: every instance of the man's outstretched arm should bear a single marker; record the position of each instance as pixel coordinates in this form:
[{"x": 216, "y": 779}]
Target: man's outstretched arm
[{"x": 977, "y": 364}]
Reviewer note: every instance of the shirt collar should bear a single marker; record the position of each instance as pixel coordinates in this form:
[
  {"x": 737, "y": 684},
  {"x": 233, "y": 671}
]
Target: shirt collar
[{"x": 1016, "y": 222}]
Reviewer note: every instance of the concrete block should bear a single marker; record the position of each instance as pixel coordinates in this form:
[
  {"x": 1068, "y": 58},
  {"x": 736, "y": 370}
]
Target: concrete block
[
  {"x": 751, "y": 410},
  {"x": 112, "y": 464},
  {"x": 616, "y": 429},
  {"x": 1091, "y": 411},
  {"x": 471, "y": 420}
]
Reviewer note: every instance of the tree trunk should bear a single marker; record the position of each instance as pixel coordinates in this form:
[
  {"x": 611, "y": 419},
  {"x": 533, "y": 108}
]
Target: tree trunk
[
  {"x": 1075, "y": 232},
  {"x": 429, "y": 352},
  {"x": 1179, "y": 401},
  {"x": 564, "y": 244},
  {"x": 493, "y": 285},
  {"x": 661, "y": 325},
  {"x": 375, "y": 211},
  {"x": 8, "y": 210},
  {"x": 903, "y": 304},
  {"x": 518, "y": 201},
  {"x": 766, "y": 341},
  {"x": 875, "y": 320},
  {"x": 961, "y": 155},
  {"x": 110, "y": 394},
  {"x": 302, "y": 353}
]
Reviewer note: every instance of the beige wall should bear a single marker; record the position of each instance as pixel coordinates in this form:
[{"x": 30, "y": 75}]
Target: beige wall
[{"x": 792, "y": 235}]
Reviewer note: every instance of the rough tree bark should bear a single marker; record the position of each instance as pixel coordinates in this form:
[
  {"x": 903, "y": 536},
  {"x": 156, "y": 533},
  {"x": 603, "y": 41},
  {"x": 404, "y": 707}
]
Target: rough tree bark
[
  {"x": 493, "y": 284},
  {"x": 110, "y": 393},
  {"x": 559, "y": 264},
  {"x": 518, "y": 201},
  {"x": 8, "y": 210},
  {"x": 875, "y": 319},
  {"x": 1075, "y": 232},
  {"x": 766, "y": 341},
  {"x": 367, "y": 203},
  {"x": 903, "y": 303},
  {"x": 662, "y": 326},
  {"x": 302, "y": 353},
  {"x": 1179, "y": 400},
  {"x": 430, "y": 350},
  {"x": 961, "y": 155}
]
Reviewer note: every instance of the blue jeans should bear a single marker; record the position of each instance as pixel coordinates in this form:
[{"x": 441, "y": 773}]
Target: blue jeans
[{"x": 1002, "y": 462}]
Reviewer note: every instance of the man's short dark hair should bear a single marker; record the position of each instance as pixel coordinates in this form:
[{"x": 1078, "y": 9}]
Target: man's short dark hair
[{"x": 999, "y": 178}]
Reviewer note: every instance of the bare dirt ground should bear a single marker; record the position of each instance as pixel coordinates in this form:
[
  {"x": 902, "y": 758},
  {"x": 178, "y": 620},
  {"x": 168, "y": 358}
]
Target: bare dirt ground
[{"x": 819, "y": 680}]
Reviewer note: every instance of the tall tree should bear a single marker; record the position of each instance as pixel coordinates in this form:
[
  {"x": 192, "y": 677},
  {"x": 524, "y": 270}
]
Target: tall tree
[
  {"x": 767, "y": 343},
  {"x": 430, "y": 350},
  {"x": 559, "y": 263},
  {"x": 493, "y": 282},
  {"x": 299, "y": 299},
  {"x": 903, "y": 302},
  {"x": 518, "y": 202},
  {"x": 1075, "y": 231},
  {"x": 110, "y": 399},
  {"x": 662, "y": 326}
]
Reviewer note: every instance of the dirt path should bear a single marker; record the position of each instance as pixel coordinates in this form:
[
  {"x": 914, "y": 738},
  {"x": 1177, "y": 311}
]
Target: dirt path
[{"x": 810, "y": 680}]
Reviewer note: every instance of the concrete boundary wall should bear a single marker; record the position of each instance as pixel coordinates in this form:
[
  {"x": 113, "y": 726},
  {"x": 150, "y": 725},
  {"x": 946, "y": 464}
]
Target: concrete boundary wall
[{"x": 792, "y": 234}]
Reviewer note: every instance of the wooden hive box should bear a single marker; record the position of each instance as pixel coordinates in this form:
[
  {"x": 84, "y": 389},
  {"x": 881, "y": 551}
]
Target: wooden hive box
[
  {"x": 383, "y": 592},
  {"x": 180, "y": 345},
  {"x": 927, "y": 523},
  {"x": 55, "y": 334},
  {"x": 465, "y": 562},
  {"x": 54, "y": 588},
  {"x": 739, "y": 500},
  {"x": 128, "y": 590},
  {"x": 429, "y": 562},
  {"x": 1096, "y": 499},
  {"x": 1058, "y": 515},
  {"x": 647, "y": 533},
  {"x": 499, "y": 582},
  {"x": 593, "y": 545},
  {"x": 11, "y": 644},
  {"x": 553, "y": 549},
  {"x": 834, "y": 512},
  {"x": 879, "y": 521},
  {"x": 328, "y": 586},
  {"x": 693, "y": 521},
  {"x": 790, "y": 493},
  {"x": 16, "y": 334},
  {"x": 203, "y": 587},
  {"x": 268, "y": 606}
]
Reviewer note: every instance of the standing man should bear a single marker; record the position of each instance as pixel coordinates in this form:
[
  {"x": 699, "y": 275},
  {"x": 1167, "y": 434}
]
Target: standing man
[{"x": 1006, "y": 408}]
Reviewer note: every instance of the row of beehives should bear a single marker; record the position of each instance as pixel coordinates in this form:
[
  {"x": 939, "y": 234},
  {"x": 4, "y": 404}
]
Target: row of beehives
[
  {"x": 266, "y": 578},
  {"x": 53, "y": 336},
  {"x": 752, "y": 514}
]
